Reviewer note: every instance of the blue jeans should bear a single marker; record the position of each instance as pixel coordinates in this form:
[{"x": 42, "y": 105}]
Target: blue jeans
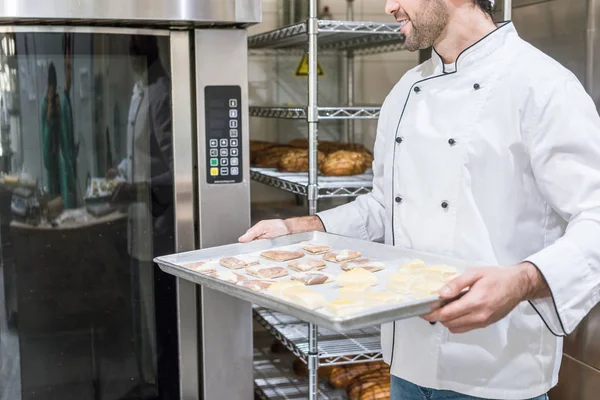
[{"x": 404, "y": 390}]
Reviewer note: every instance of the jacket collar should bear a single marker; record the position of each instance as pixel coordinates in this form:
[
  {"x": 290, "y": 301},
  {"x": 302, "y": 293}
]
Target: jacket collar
[{"x": 478, "y": 50}]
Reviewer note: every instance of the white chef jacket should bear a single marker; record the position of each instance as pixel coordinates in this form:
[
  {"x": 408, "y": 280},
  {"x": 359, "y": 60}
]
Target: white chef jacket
[{"x": 498, "y": 161}]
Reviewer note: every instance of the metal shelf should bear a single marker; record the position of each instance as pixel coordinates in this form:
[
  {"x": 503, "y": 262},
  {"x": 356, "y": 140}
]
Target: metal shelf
[
  {"x": 335, "y": 348},
  {"x": 359, "y": 36},
  {"x": 368, "y": 112},
  {"x": 275, "y": 380},
  {"x": 329, "y": 186}
]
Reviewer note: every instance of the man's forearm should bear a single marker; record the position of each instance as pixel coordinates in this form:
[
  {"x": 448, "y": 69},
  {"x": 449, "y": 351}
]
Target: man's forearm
[{"x": 304, "y": 224}]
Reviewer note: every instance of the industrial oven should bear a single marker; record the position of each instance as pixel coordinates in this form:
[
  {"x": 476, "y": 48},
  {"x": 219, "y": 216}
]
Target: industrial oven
[{"x": 124, "y": 137}]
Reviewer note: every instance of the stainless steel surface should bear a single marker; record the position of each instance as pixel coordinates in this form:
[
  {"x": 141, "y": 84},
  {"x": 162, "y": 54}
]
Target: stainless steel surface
[
  {"x": 590, "y": 45},
  {"x": 82, "y": 29},
  {"x": 334, "y": 35},
  {"x": 392, "y": 256},
  {"x": 350, "y": 77},
  {"x": 224, "y": 214},
  {"x": 342, "y": 112},
  {"x": 187, "y": 297},
  {"x": 294, "y": 11},
  {"x": 275, "y": 380},
  {"x": 576, "y": 381},
  {"x": 197, "y": 12},
  {"x": 334, "y": 348},
  {"x": 313, "y": 361},
  {"x": 327, "y": 187}
]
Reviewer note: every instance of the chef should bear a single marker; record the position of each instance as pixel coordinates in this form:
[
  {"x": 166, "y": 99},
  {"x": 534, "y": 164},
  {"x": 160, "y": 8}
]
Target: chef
[{"x": 490, "y": 152}]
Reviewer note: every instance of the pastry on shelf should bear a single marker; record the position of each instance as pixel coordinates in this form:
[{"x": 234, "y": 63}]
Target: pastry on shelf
[
  {"x": 267, "y": 271},
  {"x": 269, "y": 158},
  {"x": 299, "y": 143},
  {"x": 342, "y": 375},
  {"x": 239, "y": 262},
  {"x": 256, "y": 146},
  {"x": 344, "y": 163},
  {"x": 281, "y": 255},
  {"x": 341, "y": 256},
  {"x": 313, "y": 277},
  {"x": 364, "y": 263},
  {"x": 306, "y": 265},
  {"x": 258, "y": 285},
  {"x": 316, "y": 248},
  {"x": 296, "y": 160}
]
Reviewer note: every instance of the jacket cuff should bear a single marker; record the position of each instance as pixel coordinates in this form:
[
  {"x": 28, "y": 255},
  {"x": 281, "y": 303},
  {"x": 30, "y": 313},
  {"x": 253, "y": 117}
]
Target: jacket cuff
[
  {"x": 344, "y": 221},
  {"x": 572, "y": 286}
]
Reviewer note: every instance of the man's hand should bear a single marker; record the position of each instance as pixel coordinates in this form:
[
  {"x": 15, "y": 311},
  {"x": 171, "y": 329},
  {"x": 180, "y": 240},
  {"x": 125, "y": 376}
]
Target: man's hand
[
  {"x": 267, "y": 229},
  {"x": 493, "y": 293},
  {"x": 273, "y": 228}
]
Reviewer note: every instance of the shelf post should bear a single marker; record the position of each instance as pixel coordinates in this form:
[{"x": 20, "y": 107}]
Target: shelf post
[
  {"x": 313, "y": 126},
  {"x": 313, "y": 110},
  {"x": 350, "y": 76}
]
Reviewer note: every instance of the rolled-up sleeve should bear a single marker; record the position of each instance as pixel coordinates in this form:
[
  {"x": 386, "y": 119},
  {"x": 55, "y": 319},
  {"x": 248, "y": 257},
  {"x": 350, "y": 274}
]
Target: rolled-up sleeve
[
  {"x": 564, "y": 145},
  {"x": 363, "y": 218}
]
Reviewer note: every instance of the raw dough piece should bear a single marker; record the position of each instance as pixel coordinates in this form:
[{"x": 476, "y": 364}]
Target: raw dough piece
[
  {"x": 402, "y": 283},
  {"x": 307, "y": 298},
  {"x": 281, "y": 287},
  {"x": 364, "y": 263},
  {"x": 266, "y": 271},
  {"x": 341, "y": 256},
  {"x": 306, "y": 265},
  {"x": 316, "y": 248},
  {"x": 281, "y": 255},
  {"x": 414, "y": 264},
  {"x": 356, "y": 277},
  {"x": 426, "y": 289},
  {"x": 227, "y": 276},
  {"x": 239, "y": 262},
  {"x": 256, "y": 285},
  {"x": 313, "y": 277},
  {"x": 202, "y": 267},
  {"x": 344, "y": 307},
  {"x": 354, "y": 291},
  {"x": 447, "y": 272}
]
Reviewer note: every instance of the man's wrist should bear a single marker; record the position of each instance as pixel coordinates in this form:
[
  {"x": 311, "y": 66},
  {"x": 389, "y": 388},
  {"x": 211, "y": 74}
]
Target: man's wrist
[
  {"x": 304, "y": 224},
  {"x": 535, "y": 286}
]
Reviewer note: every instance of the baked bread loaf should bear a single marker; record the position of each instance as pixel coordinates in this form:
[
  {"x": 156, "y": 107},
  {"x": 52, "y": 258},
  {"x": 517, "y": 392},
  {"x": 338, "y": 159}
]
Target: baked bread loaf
[
  {"x": 362, "y": 383},
  {"x": 269, "y": 158},
  {"x": 342, "y": 375},
  {"x": 281, "y": 255},
  {"x": 296, "y": 160},
  {"x": 380, "y": 391},
  {"x": 256, "y": 146},
  {"x": 306, "y": 265},
  {"x": 344, "y": 163}
]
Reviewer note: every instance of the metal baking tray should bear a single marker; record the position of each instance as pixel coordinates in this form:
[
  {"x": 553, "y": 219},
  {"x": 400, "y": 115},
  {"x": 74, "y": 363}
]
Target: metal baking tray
[{"x": 392, "y": 256}]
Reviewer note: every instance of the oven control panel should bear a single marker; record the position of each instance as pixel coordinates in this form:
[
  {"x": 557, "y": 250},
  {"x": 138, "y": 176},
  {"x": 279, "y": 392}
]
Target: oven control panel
[{"x": 223, "y": 110}]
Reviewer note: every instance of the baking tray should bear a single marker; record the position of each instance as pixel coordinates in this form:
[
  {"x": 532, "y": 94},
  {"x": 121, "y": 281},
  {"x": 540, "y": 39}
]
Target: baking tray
[{"x": 392, "y": 256}]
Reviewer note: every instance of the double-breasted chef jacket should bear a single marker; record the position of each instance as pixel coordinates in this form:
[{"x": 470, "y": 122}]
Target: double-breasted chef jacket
[{"x": 493, "y": 158}]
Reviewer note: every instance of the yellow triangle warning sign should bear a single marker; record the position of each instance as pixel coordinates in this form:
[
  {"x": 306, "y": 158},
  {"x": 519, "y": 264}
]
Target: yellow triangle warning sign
[{"x": 302, "y": 69}]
